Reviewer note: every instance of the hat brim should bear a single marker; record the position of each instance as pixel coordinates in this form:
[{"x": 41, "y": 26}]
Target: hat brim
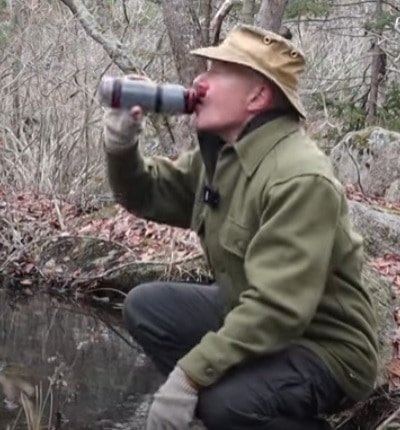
[{"x": 230, "y": 56}]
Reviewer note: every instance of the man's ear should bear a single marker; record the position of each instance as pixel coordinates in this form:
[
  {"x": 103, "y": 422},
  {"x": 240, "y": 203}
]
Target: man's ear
[{"x": 260, "y": 99}]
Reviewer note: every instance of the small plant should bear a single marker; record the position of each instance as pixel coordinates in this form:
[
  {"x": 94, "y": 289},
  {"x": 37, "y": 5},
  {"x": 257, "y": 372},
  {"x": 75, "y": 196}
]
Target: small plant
[
  {"x": 384, "y": 21},
  {"x": 299, "y": 8},
  {"x": 33, "y": 409},
  {"x": 352, "y": 115},
  {"x": 388, "y": 115},
  {"x": 348, "y": 116}
]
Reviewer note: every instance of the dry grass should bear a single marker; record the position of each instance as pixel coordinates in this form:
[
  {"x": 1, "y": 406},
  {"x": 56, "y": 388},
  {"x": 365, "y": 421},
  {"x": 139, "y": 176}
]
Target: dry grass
[{"x": 50, "y": 122}]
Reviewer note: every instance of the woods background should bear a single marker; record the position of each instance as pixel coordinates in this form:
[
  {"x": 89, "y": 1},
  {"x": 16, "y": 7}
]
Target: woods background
[
  {"x": 60, "y": 229},
  {"x": 53, "y": 54}
]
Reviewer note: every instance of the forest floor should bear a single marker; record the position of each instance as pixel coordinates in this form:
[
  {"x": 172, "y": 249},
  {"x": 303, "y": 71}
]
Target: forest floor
[{"x": 27, "y": 218}]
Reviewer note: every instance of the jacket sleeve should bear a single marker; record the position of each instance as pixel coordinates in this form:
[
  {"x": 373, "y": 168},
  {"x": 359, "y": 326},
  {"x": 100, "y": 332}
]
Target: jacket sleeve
[
  {"x": 286, "y": 265},
  {"x": 155, "y": 188}
]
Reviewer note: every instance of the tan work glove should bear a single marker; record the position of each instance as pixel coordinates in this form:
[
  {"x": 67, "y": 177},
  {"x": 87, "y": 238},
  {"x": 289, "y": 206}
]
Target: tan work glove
[
  {"x": 122, "y": 127},
  {"x": 174, "y": 404}
]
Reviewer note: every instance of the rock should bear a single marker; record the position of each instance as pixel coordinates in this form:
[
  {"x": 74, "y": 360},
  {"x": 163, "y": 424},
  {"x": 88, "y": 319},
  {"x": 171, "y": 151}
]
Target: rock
[
  {"x": 380, "y": 228},
  {"x": 393, "y": 192},
  {"x": 93, "y": 262},
  {"x": 383, "y": 302},
  {"x": 369, "y": 158},
  {"x": 381, "y": 232}
]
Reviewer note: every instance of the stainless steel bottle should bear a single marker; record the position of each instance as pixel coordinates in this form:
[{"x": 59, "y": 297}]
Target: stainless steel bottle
[{"x": 123, "y": 93}]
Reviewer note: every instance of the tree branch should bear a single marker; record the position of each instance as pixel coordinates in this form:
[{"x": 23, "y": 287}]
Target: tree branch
[
  {"x": 397, "y": 24},
  {"x": 184, "y": 34},
  {"x": 248, "y": 11},
  {"x": 219, "y": 17},
  {"x": 110, "y": 44},
  {"x": 270, "y": 14},
  {"x": 378, "y": 70}
]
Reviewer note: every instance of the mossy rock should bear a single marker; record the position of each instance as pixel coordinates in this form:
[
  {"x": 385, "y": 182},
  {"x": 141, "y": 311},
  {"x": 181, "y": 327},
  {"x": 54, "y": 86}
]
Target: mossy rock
[
  {"x": 383, "y": 302},
  {"x": 93, "y": 262},
  {"x": 369, "y": 159}
]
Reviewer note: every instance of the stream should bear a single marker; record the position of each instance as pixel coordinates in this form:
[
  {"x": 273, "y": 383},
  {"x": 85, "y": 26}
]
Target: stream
[{"x": 69, "y": 366}]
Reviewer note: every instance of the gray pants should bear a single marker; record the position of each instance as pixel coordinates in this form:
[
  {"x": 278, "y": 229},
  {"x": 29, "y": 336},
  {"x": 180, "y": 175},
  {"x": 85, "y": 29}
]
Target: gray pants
[{"x": 286, "y": 390}]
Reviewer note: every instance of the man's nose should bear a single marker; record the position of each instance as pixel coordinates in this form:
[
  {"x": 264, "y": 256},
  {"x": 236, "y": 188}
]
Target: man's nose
[{"x": 198, "y": 79}]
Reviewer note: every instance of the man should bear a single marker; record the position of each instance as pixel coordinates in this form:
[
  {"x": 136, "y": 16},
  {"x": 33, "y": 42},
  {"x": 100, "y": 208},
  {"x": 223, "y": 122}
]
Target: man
[{"x": 286, "y": 333}]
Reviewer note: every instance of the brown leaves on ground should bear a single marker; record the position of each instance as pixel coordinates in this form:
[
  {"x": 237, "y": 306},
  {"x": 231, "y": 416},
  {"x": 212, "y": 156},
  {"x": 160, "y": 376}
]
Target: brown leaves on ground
[
  {"x": 354, "y": 193},
  {"x": 389, "y": 266},
  {"x": 28, "y": 218},
  {"x": 146, "y": 240}
]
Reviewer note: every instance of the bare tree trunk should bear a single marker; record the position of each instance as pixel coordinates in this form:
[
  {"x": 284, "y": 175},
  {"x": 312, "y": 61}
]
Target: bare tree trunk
[
  {"x": 185, "y": 33},
  {"x": 17, "y": 13},
  {"x": 270, "y": 14},
  {"x": 104, "y": 9},
  {"x": 248, "y": 11},
  {"x": 206, "y": 13},
  {"x": 378, "y": 70},
  {"x": 216, "y": 23}
]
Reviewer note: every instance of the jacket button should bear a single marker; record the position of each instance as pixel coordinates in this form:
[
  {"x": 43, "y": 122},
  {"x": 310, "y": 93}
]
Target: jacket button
[{"x": 209, "y": 371}]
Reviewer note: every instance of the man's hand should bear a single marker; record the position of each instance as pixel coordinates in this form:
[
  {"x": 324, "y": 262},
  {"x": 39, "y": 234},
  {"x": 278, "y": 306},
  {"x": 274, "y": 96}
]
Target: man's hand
[
  {"x": 122, "y": 127},
  {"x": 174, "y": 403}
]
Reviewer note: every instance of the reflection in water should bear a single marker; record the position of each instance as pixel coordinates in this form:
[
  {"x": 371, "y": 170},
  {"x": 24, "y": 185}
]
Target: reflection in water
[{"x": 60, "y": 364}]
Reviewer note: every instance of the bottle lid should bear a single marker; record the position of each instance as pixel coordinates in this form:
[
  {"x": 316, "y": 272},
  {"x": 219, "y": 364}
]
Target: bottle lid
[{"x": 105, "y": 91}]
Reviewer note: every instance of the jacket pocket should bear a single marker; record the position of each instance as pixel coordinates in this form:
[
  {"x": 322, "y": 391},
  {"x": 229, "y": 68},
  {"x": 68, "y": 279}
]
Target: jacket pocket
[{"x": 235, "y": 237}]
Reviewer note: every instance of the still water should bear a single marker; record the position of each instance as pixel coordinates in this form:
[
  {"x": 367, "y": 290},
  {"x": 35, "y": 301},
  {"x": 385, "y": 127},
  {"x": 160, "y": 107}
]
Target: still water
[{"x": 69, "y": 367}]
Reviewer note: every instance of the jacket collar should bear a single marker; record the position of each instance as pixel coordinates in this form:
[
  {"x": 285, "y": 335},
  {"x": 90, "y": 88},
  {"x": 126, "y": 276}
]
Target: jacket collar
[
  {"x": 257, "y": 138},
  {"x": 259, "y": 120},
  {"x": 255, "y": 144}
]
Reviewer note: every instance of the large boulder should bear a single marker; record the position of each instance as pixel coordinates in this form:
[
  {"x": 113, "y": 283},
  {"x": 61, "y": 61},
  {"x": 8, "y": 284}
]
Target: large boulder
[
  {"x": 370, "y": 158},
  {"x": 384, "y": 304},
  {"x": 379, "y": 227}
]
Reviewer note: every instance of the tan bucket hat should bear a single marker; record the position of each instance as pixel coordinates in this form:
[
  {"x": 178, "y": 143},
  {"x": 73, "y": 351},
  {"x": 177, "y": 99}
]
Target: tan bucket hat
[{"x": 266, "y": 52}]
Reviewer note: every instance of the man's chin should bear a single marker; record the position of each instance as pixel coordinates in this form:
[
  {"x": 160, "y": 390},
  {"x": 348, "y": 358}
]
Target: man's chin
[{"x": 201, "y": 126}]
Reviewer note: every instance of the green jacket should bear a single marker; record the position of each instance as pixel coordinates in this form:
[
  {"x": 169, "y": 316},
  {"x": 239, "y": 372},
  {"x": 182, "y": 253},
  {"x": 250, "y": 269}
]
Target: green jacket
[{"x": 280, "y": 244}]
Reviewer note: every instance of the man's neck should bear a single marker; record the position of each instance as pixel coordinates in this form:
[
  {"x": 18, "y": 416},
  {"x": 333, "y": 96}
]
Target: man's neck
[
  {"x": 233, "y": 135},
  {"x": 230, "y": 136}
]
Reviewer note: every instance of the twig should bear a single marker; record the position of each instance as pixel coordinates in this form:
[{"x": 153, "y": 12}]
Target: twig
[
  {"x": 53, "y": 239},
  {"x": 357, "y": 169},
  {"x": 394, "y": 415},
  {"x": 397, "y": 24},
  {"x": 59, "y": 215},
  {"x": 119, "y": 334},
  {"x": 109, "y": 44},
  {"x": 124, "y": 266},
  {"x": 219, "y": 17},
  {"x": 156, "y": 50},
  {"x": 108, "y": 289}
]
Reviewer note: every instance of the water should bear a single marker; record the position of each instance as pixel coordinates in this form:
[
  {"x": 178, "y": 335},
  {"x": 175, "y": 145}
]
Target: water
[{"x": 70, "y": 362}]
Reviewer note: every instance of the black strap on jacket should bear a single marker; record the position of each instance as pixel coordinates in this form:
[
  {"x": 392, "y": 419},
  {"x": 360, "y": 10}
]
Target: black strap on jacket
[{"x": 210, "y": 145}]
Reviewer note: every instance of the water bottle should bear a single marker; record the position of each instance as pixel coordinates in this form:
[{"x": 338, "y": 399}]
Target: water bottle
[{"x": 123, "y": 93}]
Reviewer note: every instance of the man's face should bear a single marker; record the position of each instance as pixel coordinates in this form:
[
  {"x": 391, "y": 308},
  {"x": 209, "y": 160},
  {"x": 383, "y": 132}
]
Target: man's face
[{"x": 227, "y": 104}]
